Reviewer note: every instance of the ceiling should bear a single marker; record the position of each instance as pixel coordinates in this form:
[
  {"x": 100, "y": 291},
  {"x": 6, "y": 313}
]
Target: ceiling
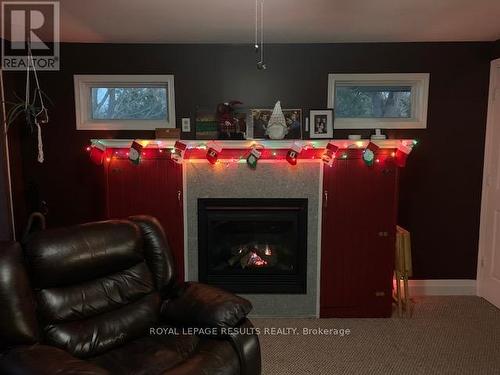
[{"x": 286, "y": 21}]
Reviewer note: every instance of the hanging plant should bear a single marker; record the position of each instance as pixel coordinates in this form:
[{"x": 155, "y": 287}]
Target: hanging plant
[{"x": 32, "y": 109}]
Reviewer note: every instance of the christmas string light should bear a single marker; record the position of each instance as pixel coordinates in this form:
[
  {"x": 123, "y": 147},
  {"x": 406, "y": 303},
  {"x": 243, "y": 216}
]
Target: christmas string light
[{"x": 397, "y": 152}]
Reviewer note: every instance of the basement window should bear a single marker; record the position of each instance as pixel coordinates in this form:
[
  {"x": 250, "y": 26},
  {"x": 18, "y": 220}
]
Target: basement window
[
  {"x": 128, "y": 102},
  {"x": 379, "y": 101}
]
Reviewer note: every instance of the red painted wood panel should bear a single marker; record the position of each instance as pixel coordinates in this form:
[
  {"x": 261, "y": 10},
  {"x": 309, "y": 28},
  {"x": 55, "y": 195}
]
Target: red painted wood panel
[
  {"x": 357, "y": 257},
  {"x": 154, "y": 187}
]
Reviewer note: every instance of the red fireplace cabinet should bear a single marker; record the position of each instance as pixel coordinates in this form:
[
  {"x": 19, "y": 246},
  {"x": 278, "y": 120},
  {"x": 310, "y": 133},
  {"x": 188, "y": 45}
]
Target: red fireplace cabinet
[
  {"x": 359, "y": 214},
  {"x": 358, "y": 237},
  {"x": 153, "y": 187}
]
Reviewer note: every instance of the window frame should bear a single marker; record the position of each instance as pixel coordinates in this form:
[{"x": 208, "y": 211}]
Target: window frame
[
  {"x": 419, "y": 83},
  {"x": 83, "y": 84}
]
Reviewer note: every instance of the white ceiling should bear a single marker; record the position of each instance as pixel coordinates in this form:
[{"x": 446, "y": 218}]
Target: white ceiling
[{"x": 286, "y": 21}]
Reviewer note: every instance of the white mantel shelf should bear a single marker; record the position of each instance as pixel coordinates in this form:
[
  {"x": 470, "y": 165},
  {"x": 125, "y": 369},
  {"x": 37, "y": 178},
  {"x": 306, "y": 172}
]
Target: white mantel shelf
[{"x": 283, "y": 144}]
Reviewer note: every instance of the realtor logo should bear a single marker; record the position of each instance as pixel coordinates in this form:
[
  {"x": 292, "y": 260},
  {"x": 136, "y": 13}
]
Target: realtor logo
[{"x": 30, "y": 26}]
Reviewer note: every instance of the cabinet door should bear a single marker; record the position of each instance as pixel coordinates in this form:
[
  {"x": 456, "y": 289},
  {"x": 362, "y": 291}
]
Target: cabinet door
[
  {"x": 381, "y": 249},
  {"x": 154, "y": 187},
  {"x": 359, "y": 208}
]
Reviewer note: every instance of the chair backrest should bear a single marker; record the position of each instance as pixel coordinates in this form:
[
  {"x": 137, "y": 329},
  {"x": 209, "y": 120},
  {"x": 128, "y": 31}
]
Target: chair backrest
[{"x": 98, "y": 285}]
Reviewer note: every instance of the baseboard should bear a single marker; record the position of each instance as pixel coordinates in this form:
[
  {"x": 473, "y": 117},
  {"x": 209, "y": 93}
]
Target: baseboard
[{"x": 442, "y": 287}]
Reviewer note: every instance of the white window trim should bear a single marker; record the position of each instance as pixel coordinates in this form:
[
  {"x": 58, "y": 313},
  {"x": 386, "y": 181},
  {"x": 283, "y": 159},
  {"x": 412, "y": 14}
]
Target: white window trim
[
  {"x": 83, "y": 107},
  {"x": 419, "y": 83}
]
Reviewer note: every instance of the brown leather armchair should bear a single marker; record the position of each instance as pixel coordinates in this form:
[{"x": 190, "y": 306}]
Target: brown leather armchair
[{"x": 100, "y": 298}]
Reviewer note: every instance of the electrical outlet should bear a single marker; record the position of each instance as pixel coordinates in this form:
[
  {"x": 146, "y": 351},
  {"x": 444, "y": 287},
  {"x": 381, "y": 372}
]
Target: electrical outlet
[{"x": 186, "y": 124}]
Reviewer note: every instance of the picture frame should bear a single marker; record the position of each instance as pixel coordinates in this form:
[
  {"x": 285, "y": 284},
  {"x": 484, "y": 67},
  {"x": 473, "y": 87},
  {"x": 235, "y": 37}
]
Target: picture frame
[
  {"x": 321, "y": 123},
  {"x": 259, "y": 117}
]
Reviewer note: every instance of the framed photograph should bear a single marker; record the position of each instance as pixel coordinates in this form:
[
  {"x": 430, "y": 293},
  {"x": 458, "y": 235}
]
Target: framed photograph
[
  {"x": 260, "y": 118},
  {"x": 321, "y": 123}
]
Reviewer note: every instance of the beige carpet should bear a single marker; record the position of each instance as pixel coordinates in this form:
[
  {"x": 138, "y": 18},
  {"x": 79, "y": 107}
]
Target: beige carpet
[{"x": 445, "y": 335}]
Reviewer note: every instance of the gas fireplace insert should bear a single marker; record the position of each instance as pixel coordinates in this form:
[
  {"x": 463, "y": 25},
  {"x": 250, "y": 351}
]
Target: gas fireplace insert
[{"x": 253, "y": 245}]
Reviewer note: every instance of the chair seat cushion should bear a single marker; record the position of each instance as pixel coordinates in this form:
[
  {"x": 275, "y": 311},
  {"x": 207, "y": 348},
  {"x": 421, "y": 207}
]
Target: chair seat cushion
[{"x": 170, "y": 354}]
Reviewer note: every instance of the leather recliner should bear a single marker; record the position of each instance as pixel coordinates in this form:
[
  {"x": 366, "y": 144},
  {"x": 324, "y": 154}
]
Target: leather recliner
[{"x": 100, "y": 298}]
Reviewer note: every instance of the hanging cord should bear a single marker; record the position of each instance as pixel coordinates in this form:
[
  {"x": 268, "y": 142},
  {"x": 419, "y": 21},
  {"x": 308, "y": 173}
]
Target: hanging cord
[
  {"x": 256, "y": 25},
  {"x": 43, "y": 110},
  {"x": 262, "y": 31}
]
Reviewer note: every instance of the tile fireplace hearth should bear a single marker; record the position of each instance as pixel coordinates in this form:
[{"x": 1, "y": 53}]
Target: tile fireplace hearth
[
  {"x": 268, "y": 181},
  {"x": 253, "y": 245}
]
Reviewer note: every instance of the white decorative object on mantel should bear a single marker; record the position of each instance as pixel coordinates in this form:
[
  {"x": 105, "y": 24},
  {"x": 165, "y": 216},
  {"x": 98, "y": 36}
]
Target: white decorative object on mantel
[{"x": 378, "y": 135}]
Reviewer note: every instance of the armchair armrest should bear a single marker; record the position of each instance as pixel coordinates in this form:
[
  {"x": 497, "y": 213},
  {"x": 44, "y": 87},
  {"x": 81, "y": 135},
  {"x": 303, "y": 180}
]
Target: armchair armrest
[
  {"x": 248, "y": 349},
  {"x": 45, "y": 360},
  {"x": 205, "y": 306}
]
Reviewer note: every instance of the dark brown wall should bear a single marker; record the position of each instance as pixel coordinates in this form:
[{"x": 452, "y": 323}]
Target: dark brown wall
[
  {"x": 440, "y": 188},
  {"x": 5, "y": 212},
  {"x": 496, "y": 50}
]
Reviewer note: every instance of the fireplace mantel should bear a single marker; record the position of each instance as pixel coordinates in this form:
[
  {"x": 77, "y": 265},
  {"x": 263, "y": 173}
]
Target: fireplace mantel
[
  {"x": 246, "y": 144},
  {"x": 237, "y": 151}
]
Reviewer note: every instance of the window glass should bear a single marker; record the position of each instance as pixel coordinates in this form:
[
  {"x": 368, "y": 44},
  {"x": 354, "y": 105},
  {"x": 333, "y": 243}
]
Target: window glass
[
  {"x": 129, "y": 103},
  {"x": 373, "y": 101}
]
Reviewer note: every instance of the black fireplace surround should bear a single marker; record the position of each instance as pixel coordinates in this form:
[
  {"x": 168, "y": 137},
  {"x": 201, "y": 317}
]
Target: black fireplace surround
[{"x": 253, "y": 245}]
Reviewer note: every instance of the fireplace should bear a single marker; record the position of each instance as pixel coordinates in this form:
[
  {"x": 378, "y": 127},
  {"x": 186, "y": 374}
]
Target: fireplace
[{"x": 253, "y": 245}]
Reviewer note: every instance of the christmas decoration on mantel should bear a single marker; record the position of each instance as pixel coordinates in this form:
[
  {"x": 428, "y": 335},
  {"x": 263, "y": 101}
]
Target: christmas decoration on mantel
[
  {"x": 213, "y": 151},
  {"x": 135, "y": 152},
  {"x": 276, "y": 128},
  {"x": 329, "y": 156},
  {"x": 97, "y": 152},
  {"x": 369, "y": 153},
  {"x": 250, "y": 152},
  {"x": 253, "y": 157},
  {"x": 402, "y": 154},
  {"x": 293, "y": 153},
  {"x": 178, "y": 152},
  {"x": 230, "y": 126}
]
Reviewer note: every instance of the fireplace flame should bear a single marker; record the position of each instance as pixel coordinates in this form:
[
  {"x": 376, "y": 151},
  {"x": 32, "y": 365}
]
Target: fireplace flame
[
  {"x": 256, "y": 260},
  {"x": 268, "y": 251}
]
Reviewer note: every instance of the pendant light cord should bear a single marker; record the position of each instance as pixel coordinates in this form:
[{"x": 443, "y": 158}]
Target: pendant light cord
[
  {"x": 262, "y": 31},
  {"x": 256, "y": 44}
]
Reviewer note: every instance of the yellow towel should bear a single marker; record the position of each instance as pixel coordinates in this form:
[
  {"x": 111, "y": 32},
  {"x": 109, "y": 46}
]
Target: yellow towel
[{"x": 403, "y": 251}]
